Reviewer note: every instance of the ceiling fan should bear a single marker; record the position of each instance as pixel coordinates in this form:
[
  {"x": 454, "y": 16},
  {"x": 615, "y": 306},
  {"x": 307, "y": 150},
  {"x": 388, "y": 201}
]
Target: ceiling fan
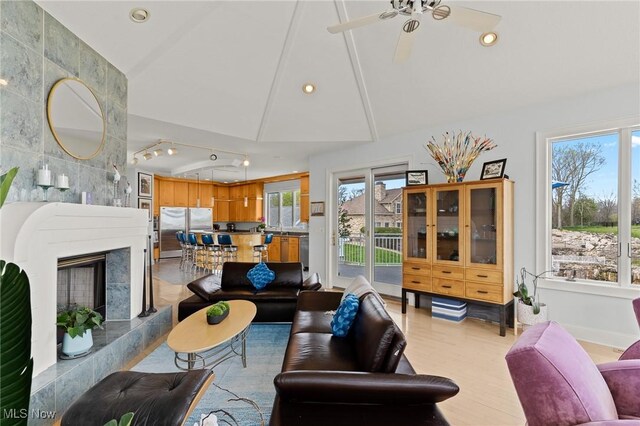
[{"x": 462, "y": 16}]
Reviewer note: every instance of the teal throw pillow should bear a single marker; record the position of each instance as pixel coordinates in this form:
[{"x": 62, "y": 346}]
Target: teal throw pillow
[
  {"x": 260, "y": 275},
  {"x": 344, "y": 316}
]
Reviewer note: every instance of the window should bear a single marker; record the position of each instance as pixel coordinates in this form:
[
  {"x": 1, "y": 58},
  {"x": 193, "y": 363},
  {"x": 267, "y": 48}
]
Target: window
[
  {"x": 386, "y": 224},
  {"x": 283, "y": 204},
  {"x": 399, "y": 224},
  {"x": 589, "y": 198},
  {"x": 377, "y": 224},
  {"x": 398, "y": 207}
]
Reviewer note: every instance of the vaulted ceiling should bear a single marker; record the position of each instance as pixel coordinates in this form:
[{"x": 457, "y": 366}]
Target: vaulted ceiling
[{"x": 228, "y": 74}]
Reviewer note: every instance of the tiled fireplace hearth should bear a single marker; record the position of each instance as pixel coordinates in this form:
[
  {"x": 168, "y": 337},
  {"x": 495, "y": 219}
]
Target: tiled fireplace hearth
[{"x": 36, "y": 235}]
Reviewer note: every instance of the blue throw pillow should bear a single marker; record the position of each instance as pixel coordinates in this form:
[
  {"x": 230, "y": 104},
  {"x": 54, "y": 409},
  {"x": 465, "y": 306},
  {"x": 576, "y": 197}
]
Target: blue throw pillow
[
  {"x": 344, "y": 316},
  {"x": 260, "y": 275}
]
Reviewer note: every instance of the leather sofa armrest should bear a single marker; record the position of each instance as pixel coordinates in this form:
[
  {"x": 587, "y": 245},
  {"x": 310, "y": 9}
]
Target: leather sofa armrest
[
  {"x": 318, "y": 300},
  {"x": 344, "y": 387},
  {"x": 632, "y": 352},
  {"x": 312, "y": 283},
  {"x": 623, "y": 380}
]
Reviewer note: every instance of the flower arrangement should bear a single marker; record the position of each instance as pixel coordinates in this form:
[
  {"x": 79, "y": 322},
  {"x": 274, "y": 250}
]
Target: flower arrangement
[
  {"x": 457, "y": 153},
  {"x": 261, "y": 227}
]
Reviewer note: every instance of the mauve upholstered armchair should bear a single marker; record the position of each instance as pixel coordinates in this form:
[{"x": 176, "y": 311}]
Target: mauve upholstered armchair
[
  {"x": 558, "y": 383},
  {"x": 633, "y": 351}
]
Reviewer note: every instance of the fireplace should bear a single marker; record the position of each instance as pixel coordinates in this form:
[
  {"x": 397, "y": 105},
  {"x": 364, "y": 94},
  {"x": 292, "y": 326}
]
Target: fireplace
[{"x": 82, "y": 282}]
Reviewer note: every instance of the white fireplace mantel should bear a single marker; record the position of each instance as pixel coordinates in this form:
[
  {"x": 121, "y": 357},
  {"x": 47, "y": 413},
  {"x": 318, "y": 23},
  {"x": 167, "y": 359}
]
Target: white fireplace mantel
[{"x": 35, "y": 235}]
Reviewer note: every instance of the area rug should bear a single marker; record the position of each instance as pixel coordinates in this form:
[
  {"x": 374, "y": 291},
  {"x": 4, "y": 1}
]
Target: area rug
[{"x": 265, "y": 350}]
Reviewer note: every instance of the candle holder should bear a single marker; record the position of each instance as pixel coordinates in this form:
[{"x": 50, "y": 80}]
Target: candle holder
[
  {"x": 63, "y": 195},
  {"x": 45, "y": 189}
]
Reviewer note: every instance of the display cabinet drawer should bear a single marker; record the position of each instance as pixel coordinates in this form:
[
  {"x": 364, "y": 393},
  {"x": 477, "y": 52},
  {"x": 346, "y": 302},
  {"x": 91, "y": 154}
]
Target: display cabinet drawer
[
  {"x": 447, "y": 286},
  {"x": 416, "y": 282},
  {"x": 449, "y": 272},
  {"x": 486, "y": 292},
  {"x": 416, "y": 268},
  {"x": 484, "y": 276}
]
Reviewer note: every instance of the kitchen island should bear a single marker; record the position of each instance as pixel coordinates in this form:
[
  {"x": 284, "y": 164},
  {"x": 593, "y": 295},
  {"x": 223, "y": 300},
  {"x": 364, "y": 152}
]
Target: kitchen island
[{"x": 244, "y": 240}]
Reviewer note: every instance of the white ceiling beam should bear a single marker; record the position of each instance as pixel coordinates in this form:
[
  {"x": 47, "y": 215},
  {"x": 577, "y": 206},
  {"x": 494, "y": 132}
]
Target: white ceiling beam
[
  {"x": 357, "y": 69},
  {"x": 284, "y": 55}
]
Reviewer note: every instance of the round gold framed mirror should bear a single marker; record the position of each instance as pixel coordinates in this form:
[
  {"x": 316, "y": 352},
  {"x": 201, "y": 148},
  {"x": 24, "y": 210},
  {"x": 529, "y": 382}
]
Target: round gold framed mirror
[{"x": 76, "y": 118}]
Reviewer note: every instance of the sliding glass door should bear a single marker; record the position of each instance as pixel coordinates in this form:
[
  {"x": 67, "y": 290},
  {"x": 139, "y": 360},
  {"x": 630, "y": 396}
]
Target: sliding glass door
[{"x": 366, "y": 232}]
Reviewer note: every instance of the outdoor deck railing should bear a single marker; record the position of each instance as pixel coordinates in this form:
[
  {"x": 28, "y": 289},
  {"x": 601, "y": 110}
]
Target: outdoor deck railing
[{"x": 388, "y": 250}]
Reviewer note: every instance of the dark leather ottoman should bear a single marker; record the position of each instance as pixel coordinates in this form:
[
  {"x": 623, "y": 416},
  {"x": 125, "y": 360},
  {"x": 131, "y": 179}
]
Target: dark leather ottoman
[{"x": 155, "y": 398}]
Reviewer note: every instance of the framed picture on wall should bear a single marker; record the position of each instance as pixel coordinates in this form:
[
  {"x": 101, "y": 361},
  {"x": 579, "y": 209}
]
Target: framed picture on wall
[
  {"x": 417, "y": 177},
  {"x": 493, "y": 169},
  {"x": 145, "y": 203},
  {"x": 144, "y": 185},
  {"x": 317, "y": 208}
]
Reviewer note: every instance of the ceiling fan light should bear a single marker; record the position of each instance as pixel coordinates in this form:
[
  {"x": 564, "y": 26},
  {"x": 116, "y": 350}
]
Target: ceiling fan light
[
  {"x": 147, "y": 156},
  {"x": 308, "y": 88},
  {"x": 488, "y": 39}
]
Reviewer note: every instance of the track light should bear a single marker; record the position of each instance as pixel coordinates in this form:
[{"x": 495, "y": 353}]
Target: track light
[
  {"x": 245, "y": 162},
  {"x": 172, "y": 151},
  {"x": 158, "y": 152},
  {"x": 213, "y": 157},
  {"x": 147, "y": 156},
  {"x": 134, "y": 161}
]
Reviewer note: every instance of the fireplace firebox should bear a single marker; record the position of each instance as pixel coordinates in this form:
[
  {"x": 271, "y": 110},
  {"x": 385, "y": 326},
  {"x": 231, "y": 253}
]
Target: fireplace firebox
[{"x": 82, "y": 282}]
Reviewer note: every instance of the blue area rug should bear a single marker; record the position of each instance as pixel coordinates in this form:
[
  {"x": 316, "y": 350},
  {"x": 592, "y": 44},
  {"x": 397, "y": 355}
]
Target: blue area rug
[{"x": 265, "y": 351}]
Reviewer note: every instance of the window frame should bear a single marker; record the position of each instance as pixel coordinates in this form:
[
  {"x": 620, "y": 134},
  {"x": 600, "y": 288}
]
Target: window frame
[
  {"x": 544, "y": 142},
  {"x": 295, "y": 201},
  {"x": 398, "y": 207}
]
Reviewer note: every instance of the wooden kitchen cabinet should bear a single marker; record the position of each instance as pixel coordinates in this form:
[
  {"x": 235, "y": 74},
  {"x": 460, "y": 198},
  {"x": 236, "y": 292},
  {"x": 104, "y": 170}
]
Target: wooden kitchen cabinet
[
  {"x": 181, "y": 194},
  {"x": 274, "y": 249},
  {"x": 294, "y": 248},
  {"x": 458, "y": 242},
  {"x": 221, "y": 204},
  {"x": 304, "y": 199},
  {"x": 166, "y": 192},
  {"x": 156, "y": 196}
]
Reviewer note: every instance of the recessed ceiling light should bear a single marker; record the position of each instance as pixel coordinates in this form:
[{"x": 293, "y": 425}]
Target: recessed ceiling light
[
  {"x": 488, "y": 39},
  {"x": 139, "y": 15},
  {"x": 3, "y": 82},
  {"x": 295, "y": 171},
  {"x": 308, "y": 88},
  {"x": 236, "y": 180}
]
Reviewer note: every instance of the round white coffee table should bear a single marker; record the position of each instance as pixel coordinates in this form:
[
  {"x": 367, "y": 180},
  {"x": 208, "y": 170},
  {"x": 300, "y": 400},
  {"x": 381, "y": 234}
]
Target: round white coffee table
[{"x": 206, "y": 346}]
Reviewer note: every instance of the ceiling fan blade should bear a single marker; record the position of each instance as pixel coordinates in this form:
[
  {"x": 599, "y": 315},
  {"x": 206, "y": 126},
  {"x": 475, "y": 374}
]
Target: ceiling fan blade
[
  {"x": 361, "y": 22},
  {"x": 473, "y": 19},
  {"x": 407, "y": 37}
]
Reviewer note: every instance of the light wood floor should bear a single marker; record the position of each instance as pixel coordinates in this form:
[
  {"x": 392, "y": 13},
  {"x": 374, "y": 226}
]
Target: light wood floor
[{"x": 471, "y": 354}]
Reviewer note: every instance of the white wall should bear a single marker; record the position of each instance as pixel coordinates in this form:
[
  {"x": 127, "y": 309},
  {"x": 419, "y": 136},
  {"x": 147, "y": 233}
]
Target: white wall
[{"x": 514, "y": 133}]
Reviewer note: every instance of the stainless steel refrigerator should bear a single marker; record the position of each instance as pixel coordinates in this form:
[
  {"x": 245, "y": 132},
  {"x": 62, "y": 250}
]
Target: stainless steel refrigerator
[{"x": 174, "y": 219}]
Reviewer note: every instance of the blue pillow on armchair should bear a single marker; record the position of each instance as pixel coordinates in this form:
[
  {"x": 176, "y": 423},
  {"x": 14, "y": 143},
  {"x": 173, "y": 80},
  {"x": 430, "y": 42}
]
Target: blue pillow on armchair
[
  {"x": 260, "y": 275},
  {"x": 344, "y": 316}
]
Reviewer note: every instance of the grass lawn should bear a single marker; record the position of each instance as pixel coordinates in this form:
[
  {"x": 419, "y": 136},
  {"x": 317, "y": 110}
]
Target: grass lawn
[
  {"x": 355, "y": 254},
  {"x": 635, "y": 229}
]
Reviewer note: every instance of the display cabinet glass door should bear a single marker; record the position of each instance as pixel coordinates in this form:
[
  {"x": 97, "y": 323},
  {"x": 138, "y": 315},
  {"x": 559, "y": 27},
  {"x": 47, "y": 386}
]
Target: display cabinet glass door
[
  {"x": 447, "y": 225},
  {"x": 484, "y": 229},
  {"x": 417, "y": 241}
]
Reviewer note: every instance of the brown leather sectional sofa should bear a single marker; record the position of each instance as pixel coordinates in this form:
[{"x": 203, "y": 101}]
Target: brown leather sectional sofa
[
  {"x": 361, "y": 379},
  {"x": 275, "y": 303}
]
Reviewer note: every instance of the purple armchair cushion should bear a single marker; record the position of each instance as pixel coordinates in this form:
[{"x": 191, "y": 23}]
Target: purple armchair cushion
[
  {"x": 632, "y": 352},
  {"x": 623, "y": 380},
  {"x": 556, "y": 381}
]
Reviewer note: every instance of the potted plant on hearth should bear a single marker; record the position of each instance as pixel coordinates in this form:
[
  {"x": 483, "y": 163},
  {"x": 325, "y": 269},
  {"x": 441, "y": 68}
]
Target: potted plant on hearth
[
  {"x": 217, "y": 312},
  {"x": 78, "y": 323},
  {"x": 530, "y": 310}
]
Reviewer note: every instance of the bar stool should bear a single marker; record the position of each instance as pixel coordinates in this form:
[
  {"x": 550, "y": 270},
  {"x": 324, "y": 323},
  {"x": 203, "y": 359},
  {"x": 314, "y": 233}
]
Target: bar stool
[
  {"x": 213, "y": 253},
  {"x": 197, "y": 252},
  {"x": 185, "y": 249},
  {"x": 229, "y": 251},
  {"x": 261, "y": 251}
]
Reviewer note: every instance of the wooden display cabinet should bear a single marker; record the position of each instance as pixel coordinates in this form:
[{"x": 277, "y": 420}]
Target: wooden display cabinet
[{"x": 458, "y": 242}]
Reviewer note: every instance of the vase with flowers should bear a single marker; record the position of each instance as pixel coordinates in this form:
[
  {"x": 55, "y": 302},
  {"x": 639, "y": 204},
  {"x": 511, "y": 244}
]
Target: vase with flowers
[
  {"x": 457, "y": 153},
  {"x": 261, "y": 227}
]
